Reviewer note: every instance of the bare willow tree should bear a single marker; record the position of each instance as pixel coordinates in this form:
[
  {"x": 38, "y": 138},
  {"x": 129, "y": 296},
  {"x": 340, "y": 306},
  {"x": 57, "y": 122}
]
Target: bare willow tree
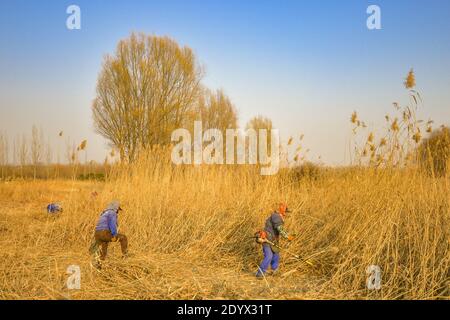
[
  {"x": 4, "y": 152},
  {"x": 4, "y": 149},
  {"x": 144, "y": 92},
  {"x": 36, "y": 148},
  {"x": 48, "y": 152},
  {"x": 71, "y": 152},
  {"x": 15, "y": 153},
  {"x": 216, "y": 111},
  {"x": 260, "y": 122},
  {"x": 37, "y": 145},
  {"x": 22, "y": 152}
]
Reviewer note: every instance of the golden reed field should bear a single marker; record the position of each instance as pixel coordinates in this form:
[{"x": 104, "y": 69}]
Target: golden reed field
[
  {"x": 190, "y": 229},
  {"x": 183, "y": 171}
]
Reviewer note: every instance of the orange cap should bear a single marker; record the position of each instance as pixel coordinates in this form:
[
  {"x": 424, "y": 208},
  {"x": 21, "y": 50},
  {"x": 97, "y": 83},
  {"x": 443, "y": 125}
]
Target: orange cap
[{"x": 283, "y": 209}]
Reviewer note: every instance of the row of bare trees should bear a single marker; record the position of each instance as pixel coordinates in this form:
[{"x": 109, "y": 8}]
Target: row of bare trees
[
  {"x": 35, "y": 150},
  {"x": 24, "y": 150},
  {"x": 33, "y": 155},
  {"x": 152, "y": 86}
]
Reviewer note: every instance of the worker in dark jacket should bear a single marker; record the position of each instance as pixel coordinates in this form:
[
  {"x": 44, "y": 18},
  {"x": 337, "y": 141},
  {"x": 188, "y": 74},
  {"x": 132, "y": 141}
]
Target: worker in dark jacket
[
  {"x": 106, "y": 231},
  {"x": 272, "y": 231}
]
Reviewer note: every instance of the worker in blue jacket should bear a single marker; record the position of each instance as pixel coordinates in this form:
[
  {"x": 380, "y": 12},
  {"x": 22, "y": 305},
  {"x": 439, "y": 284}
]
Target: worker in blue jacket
[
  {"x": 106, "y": 231},
  {"x": 273, "y": 229}
]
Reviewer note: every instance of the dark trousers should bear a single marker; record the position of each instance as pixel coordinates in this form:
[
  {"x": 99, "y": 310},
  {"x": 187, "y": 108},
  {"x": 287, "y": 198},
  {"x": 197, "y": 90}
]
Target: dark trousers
[{"x": 104, "y": 237}]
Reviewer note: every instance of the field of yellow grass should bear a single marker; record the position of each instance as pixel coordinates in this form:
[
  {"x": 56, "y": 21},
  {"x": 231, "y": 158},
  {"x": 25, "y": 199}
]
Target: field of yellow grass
[{"x": 189, "y": 230}]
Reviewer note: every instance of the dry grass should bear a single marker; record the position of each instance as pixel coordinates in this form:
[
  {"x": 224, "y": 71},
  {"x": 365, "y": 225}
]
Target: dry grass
[{"x": 189, "y": 227}]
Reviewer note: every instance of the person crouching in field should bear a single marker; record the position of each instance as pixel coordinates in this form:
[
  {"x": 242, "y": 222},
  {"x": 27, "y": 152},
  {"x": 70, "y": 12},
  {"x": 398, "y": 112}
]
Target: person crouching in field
[
  {"x": 106, "y": 232},
  {"x": 272, "y": 231}
]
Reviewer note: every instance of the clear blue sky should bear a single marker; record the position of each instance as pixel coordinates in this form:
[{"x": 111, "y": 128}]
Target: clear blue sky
[{"x": 305, "y": 64}]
